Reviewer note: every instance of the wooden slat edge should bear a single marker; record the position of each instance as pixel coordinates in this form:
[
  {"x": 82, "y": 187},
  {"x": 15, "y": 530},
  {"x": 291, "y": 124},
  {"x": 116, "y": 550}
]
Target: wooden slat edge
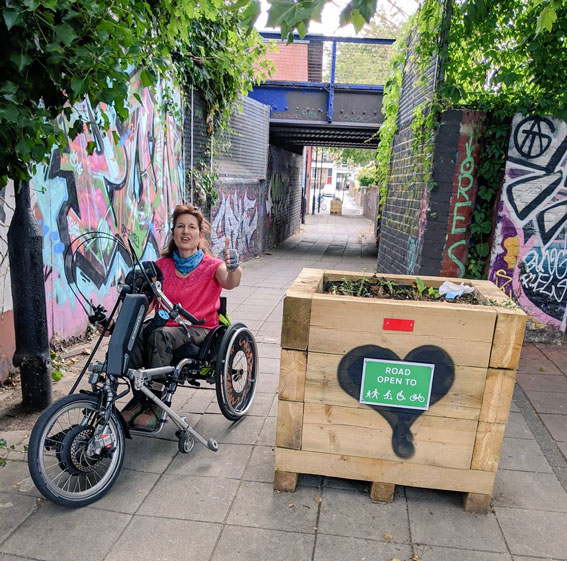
[
  {"x": 497, "y": 395},
  {"x": 385, "y": 471},
  {"x": 293, "y": 367},
  {"x": 487, "y": 446},
  {"x": 289, "y": 425}
]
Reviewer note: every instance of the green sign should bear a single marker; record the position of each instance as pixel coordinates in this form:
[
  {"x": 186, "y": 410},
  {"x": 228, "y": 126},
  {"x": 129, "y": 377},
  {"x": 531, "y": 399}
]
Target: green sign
[{"x": 396, "y": 384}]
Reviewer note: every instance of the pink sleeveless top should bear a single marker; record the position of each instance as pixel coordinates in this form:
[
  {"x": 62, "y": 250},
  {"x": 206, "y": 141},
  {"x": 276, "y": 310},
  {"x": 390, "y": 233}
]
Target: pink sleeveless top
[{"x": 198, "y": 293}]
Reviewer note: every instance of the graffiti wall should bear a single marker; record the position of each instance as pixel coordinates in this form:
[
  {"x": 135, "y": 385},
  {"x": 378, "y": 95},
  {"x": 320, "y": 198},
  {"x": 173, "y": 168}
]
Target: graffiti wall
[
  {"x": 463, "y": 197},
  {"x": 7, "y": 337},
  {"x": 236, "y": 216},
  {"x": 124, "y": 189},
  {"x": 529, "y": 254}
]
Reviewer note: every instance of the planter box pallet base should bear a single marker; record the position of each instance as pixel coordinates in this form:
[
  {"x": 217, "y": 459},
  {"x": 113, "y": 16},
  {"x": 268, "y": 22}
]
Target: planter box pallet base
[
  {"x": 478, "y": 503},
  {"x": 454, "y": 445}
]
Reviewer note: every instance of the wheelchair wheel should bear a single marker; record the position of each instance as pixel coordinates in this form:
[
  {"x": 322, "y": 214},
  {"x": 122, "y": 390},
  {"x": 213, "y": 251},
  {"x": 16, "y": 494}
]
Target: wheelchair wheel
[
  {"x": 236, "y": 371},
  {"x": 61, "y": 460}
]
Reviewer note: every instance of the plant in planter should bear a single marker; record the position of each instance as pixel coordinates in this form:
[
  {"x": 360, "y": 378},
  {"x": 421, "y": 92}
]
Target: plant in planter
[
  {"x": 398, "y": 388},
  {"x": 336, "y": 206}
]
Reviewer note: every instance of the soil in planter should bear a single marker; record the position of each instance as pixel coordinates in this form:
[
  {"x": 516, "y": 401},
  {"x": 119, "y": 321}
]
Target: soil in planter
[{"x": 380, "y": 287}]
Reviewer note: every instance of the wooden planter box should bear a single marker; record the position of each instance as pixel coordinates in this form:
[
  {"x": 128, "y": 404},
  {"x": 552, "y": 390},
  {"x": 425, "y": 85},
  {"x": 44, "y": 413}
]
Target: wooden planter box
[
  {"x": 324, "y": 429},
  {"x": 336, "y": 207}
]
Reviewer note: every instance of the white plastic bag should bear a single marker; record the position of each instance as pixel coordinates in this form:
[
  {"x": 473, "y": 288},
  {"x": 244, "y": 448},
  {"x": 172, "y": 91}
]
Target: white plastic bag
[{"x": 451, "y": 291}]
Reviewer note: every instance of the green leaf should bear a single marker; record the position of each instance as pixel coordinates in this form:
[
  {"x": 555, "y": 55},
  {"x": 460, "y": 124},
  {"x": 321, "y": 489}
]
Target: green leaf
[
  {"x": 21, "y": 60},
  {"x": 251, "y": 13},
  {"x": 146, "y": 77},
  {"x": 546, "y": 19},
  {"x": 65, "y": 33},
  {"x": 11, "y": 17},
  {"x": 78, "y": 86},
  {"x": 91, "y": 145}
]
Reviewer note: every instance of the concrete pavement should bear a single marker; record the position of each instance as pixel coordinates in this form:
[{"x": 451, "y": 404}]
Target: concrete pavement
[{"x": 221, "y": 507}]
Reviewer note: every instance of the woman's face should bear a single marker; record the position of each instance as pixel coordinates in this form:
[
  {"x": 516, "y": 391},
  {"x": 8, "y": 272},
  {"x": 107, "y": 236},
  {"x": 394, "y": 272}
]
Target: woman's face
[{"x": 186, "y": 235}]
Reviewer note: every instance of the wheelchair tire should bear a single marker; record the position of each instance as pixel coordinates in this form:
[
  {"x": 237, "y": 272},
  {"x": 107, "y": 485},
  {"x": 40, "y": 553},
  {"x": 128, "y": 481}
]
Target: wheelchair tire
[
  {"x": 58, "y": 455},
  {"x": 236, "y": 371}
]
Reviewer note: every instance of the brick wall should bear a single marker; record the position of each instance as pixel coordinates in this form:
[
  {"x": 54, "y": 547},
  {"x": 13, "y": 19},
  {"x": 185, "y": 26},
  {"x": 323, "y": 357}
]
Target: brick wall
[
  {"x": 404, "y": 217},
  {"x": 291, "y": 62},
  {"x": 283, "y": 201},
  {"x": 457, "y": 157}
]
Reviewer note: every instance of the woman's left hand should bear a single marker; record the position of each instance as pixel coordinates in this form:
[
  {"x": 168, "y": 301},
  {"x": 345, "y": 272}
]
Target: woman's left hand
[{"x": 230, "y": 256}]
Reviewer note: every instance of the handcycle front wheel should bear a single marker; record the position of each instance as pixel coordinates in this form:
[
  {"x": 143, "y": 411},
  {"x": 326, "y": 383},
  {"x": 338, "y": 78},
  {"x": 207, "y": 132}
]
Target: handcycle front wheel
[
  {"x": 61, "y": 462},
  {"x": 236, "y": 372}
]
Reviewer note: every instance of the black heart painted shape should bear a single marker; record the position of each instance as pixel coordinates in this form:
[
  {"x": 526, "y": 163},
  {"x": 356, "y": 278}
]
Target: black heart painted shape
[{"x": 349, "y": 374}]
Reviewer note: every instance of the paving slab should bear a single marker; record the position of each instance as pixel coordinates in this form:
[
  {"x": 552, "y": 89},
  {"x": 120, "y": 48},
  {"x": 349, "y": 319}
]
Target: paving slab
[
  {"x": 239, "y": 543},
  {"x": 228, "y": 462},
  {"x": 517, "y": 427},
  {"x": 534, "y": 533},
  {"x": 549, "y": 402},
  {"x": 340, "y": 548},
  {"x": 520, "y": 489},
  {"x": 14, "y": 510},
  {"x": 129, "y": 491},
  {"x": 149, "y": 538},
  {"x": 258, "y": 505},
  {"x": 353, "y": 514},
  {"x": 54, "y": 533},
  {"x": 243, "y": 431},
  {"x": 15, "y": 478},
  {"x": 190, "y": 497},
  {"x": 444, "y": 523},
  {"x": 557, "y": 426},
  {"x": 523, "y": 455},
  {"x": 432, "y": 553},
  {"x": 261, "y": 465}
]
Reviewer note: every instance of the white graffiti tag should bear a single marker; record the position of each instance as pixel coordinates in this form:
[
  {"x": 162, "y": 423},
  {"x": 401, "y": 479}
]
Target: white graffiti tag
[{"x": 545, "y": 272}]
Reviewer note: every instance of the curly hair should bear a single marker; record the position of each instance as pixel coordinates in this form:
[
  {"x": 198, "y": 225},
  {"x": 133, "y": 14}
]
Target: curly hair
[{"x": 204, "y": 227}]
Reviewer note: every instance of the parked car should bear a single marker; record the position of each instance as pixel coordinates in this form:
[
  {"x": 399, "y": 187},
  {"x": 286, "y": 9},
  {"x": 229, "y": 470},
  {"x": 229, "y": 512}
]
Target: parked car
[{"x": 329, "y": 190}]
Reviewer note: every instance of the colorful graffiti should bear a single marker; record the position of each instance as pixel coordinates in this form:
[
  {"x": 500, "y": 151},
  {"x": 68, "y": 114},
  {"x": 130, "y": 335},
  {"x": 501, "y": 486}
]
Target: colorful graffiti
[
  {"x": 236, "y": 217},
  {"x": 465, "y": 187},
  {"x": 125, "y": 188},
  {"x": 529, "y": 255}
]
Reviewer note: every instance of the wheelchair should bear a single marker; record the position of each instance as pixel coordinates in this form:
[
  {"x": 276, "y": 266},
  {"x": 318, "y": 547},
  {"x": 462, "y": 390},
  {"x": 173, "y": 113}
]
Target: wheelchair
[{"x": 77, "y": 445}]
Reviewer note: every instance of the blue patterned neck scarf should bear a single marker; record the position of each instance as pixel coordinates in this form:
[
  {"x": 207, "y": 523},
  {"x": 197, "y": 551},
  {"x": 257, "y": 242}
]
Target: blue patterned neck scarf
[{"x": 187, "y": 264}]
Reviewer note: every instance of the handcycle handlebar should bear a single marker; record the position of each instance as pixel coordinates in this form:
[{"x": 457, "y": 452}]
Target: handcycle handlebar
[{"x": 174, "y": 310}]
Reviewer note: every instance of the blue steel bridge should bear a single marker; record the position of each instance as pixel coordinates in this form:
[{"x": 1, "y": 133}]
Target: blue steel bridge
[{"x": 317, "y": 113}]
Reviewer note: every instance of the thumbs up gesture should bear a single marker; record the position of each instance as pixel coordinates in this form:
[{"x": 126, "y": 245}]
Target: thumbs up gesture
[{"x": 230, "y": 256}]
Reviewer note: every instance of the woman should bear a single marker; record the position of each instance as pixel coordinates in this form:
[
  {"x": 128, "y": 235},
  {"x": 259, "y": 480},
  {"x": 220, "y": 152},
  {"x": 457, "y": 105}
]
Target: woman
[{"x": 194, "y": 279}]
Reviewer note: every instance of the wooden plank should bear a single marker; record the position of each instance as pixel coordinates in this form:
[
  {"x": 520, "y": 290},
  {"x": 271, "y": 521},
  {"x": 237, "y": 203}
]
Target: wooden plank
[
  {"x": 463, "y": 400},
  {"x": 510, "y": 325},
  {"x": 385, "y": 471},
  {"x": 285, "y": 481},
  {"x": 487, "y": 446},
  {"x": 497, "y": 395},
  {"x": 295, "y": 323},
  {"x": 477, "y": 503},
  {"x": 336, "y": 341},
  {"x": 293, "y": 365},
  {"x": 297, "y": 309},
  {"x": 382, "y": 492},
  {"x": 290, "y": 424},
  {"x": 365, "y": 433},
  {"x": 341, "y": 323}
]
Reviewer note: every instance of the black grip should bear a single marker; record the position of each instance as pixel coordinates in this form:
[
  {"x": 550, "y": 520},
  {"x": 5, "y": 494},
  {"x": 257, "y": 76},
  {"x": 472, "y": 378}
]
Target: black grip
[{"x": 188, "y": 316}]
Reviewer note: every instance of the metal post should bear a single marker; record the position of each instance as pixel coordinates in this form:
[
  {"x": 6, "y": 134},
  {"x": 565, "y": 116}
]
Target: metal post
[
  {"x": 332, "y": 84},
  {"x": 25, "y": 245},
  {"x": 314, "y": 183}
]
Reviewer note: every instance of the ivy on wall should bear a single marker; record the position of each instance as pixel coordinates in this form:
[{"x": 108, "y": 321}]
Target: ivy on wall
[{"x": 501, "y": 58}]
